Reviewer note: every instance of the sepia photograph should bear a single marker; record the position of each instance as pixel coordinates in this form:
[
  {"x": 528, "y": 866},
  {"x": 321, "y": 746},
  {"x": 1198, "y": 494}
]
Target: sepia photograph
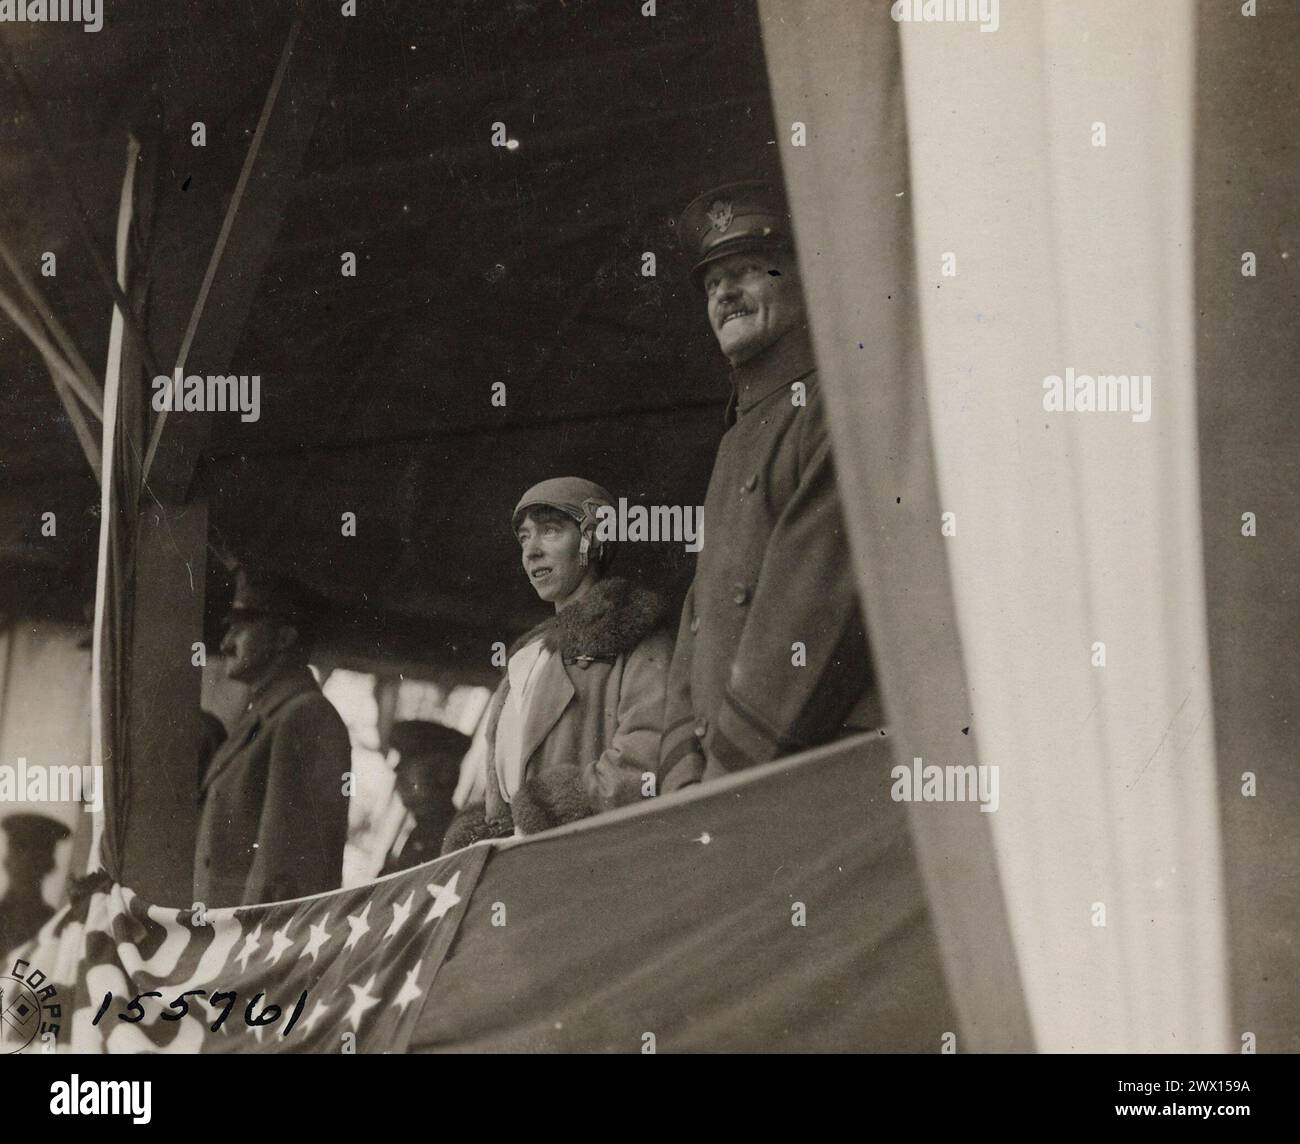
[{"x": 651, "y": 527}]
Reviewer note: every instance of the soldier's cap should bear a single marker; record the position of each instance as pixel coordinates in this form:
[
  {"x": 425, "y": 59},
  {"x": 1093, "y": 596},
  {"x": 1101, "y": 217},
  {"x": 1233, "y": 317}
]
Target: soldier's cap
[
  {"x": 33, "y": 833},
  {"x": 572, "y": 495},
  {"x": 261, "y": 595},
  {"x": 734, "y": 219},
  {"x": 419, "y": 739}
]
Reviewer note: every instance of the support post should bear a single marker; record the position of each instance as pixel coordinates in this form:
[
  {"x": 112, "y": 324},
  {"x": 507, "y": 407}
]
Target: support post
[{"x": 196, "y": 315}]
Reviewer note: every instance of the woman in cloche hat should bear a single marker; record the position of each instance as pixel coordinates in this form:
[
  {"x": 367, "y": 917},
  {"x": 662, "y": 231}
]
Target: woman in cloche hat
[{"x": 554, "y": 754}]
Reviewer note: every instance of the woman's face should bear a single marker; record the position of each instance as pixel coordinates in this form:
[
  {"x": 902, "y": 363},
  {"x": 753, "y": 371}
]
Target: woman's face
[{"x": 549, "y": 551}]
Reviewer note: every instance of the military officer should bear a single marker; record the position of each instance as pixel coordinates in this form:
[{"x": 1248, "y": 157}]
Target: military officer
[
  {"x": 274, "y": 818},
  {"x": 771, "y": 652},
  {"x": 28, "y": 859},
  {"x": 428, "y": 767}
]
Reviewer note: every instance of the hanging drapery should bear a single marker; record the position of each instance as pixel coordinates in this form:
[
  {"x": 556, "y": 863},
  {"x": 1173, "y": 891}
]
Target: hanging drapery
[
  {"x": 118, "y": 511},
  {"x": 1045, "y": 592},
  {"x": 837, "y": 80},
  {"x": 777, "y": 909}
]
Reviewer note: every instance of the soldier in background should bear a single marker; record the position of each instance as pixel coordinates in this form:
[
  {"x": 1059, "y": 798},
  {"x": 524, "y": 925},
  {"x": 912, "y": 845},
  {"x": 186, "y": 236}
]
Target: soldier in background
[
  {"x": 29, "y": 858},
  {"x": 427, "y": 771},
  {"x": 771, "y": 654},
  {"x": 273, "y": 820}
]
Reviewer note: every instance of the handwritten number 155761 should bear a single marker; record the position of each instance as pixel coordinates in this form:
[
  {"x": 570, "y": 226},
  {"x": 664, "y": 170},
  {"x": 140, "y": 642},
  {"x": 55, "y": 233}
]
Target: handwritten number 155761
[{"x": 134, "y": 1012}]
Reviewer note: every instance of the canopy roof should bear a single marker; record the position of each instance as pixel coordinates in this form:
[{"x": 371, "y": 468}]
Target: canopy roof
[{"x": 475, "y": 264}]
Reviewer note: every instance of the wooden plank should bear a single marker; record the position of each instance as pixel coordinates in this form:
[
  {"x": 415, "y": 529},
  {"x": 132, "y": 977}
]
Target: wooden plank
[
  {"x": 163, "y": 702},
  {"x": 245, "y": 241},
  {"x": 199, "y": 322}
]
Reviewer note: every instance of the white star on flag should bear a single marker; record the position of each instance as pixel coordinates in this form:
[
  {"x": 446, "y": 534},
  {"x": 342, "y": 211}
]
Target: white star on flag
[
  {"x": 444, "y": 897},
  {"x": 250, "y": 964},
  {"x": 319, "y": 936},
  {"x": 400, "y": 914},
  {"x": 280, "y": 941},
  {"x": 250, "y": 947},
  {"x": 409, "y": 991},
  {"x": 317, "y": 1012},
  {"x": 362, "y": 999},
  {"x": 359, "y": 926}
]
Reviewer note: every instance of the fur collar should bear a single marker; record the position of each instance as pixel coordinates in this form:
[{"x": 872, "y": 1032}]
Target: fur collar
[{"x": 611, "y": 619}]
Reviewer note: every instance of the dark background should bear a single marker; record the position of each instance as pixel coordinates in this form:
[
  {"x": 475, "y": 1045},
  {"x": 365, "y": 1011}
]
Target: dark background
[{"x": 475, "y": 265}]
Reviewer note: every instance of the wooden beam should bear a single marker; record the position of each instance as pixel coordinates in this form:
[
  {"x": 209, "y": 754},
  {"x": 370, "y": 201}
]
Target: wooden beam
[
  {"x": 199, "y": 322},
  {"x": 67, "y": 345},
  {"x": 76, "y": 415},
  {"x": 247, "y": 235},
  {"x": 34, "y": 334},
  {"x": 163, "y": 702},
  {"x": 65, "y": 186}
]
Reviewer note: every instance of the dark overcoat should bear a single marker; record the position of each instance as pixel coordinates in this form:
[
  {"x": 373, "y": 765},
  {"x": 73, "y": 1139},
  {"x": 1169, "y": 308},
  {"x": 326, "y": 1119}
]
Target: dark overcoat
[
  {"x": 274, "y": 815},
  {"x": 771, "y": 653}
]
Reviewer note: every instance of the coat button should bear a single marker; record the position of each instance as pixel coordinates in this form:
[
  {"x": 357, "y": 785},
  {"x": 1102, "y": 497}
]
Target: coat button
[
  {"x": 701, "y": 729},
  {"x": 695, "y": 624},
  {"x": 750, "y": 485},
  {"x": 740, "y": 594}
]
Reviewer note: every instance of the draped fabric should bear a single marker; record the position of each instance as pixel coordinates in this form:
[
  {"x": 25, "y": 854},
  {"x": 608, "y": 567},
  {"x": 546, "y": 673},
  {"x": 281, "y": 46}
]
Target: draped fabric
[
  {"x": 119, "y": 498},
  {"x": 778, "y": 910},
  {"x": 836, "y": 71},
  {"x": 341, "y": 972},
  {"x": 1031, "y": 572}
]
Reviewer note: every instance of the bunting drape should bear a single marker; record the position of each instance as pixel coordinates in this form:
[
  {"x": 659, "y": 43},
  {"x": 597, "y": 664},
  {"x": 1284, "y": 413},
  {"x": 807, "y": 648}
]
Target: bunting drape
[
  {"x": 1031, "y": 570},
  {"x": 119, "y": 501}
]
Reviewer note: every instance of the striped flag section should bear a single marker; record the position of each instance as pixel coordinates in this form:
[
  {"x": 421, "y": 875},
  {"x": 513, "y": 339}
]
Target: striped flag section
[{"x": 346, "y": 971}]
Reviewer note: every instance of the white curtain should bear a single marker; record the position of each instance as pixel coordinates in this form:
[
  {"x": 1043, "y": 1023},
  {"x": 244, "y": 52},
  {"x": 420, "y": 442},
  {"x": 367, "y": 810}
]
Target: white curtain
[{"x": 1072, "y": 251}]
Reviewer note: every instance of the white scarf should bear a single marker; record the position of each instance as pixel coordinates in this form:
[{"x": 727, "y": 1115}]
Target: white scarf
[{"x": 524, "y": 670}]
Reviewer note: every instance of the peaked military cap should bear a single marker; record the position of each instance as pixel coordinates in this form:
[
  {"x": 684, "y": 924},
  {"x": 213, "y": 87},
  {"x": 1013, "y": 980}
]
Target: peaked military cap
[
  {"x": 261, "y": 595},
  {"x": 415, "y": 739},
  {"x": 733, "y": 219},
  {"x": 33, "y": 833}
]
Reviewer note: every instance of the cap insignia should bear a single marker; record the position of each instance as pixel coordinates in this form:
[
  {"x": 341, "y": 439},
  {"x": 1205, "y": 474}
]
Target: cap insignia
[{"x": 720, "y": 214}]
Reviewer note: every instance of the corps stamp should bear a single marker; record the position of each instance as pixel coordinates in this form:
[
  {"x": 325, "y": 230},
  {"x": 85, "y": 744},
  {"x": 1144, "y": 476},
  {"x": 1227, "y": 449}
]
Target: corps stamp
[{"x": 29, "y": 1010}]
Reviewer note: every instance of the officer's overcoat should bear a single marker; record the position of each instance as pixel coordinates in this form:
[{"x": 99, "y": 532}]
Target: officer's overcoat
[
  {"x": 771, "y": 654},
  {"x": 274, "y": 817}
]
